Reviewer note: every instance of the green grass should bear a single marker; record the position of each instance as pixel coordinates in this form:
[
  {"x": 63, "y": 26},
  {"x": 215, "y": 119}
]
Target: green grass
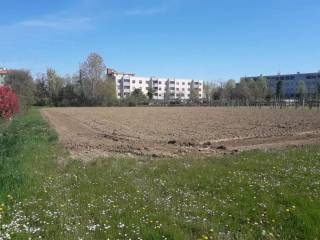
[{"x": 254, "y": 195}]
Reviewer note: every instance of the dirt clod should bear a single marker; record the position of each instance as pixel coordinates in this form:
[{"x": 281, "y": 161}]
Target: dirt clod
[
  {"x": 172, "y": 142},
  {"x": 221, "y": 147}
]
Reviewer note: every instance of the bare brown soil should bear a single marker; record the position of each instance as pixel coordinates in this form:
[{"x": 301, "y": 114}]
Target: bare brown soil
[{"x": 93, "y": 132}]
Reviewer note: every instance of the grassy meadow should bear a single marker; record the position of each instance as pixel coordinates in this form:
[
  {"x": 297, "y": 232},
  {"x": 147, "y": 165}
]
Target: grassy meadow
[{"x": 253, "y": 195}]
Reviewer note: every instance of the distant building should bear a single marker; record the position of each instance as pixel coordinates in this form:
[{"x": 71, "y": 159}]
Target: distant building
[
  {"x": 290, "y": 82},
  {"x": 163, "y": 88},
  {"x": 3, "y": 73}
]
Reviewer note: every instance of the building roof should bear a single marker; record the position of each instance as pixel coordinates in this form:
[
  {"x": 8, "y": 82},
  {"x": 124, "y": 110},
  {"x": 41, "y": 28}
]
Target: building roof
[{"x": 4, "y": 71}]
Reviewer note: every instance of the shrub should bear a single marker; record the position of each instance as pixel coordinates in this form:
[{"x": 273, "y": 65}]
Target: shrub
[{"x": 9, "y": 102}]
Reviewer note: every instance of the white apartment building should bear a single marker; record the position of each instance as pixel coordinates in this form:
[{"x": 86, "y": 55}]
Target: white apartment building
[{"x": 164, "y": 88}]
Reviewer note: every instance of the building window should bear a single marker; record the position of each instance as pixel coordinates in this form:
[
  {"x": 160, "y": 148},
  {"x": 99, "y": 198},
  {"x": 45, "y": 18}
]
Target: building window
[
  {"x": 133, "y": 81},
  {"x": 172, "y": 88},
  {"x": 147, "y": 82},
  {"x": 171, "y": 82},
  {"x": 159, "y": 82},
  {"x": 160, "y": 89},
  {"x": 140, "y": 81},
  {"x": 119, "y": 81},
  {"x": 177, "y": 83},
  {"x": 183, "y": 89},
  {"x": 126, "y": 80},
  {"x": 189, "y": 83},
  {"x": 183, "y": 83},
  {"x": 159, "y": 95},
  {"x": 156, "y": 94},
  {"x": 188, "y": 89},
  {"x": 177, "y": 89},
  {"x": 126, "y": 87}
]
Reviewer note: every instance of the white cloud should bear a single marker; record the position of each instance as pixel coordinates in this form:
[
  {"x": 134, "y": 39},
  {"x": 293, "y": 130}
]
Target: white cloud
[
  {"x": 58, "y": 24},
  {"x": 145, "y": 11}
]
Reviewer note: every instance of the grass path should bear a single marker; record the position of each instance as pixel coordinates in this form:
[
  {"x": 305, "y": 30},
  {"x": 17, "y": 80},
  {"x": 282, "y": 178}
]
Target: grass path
[{"x": 254, "y": 195}]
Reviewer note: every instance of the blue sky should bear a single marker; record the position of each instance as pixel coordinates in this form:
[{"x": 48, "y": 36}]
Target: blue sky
[{"x": 204, "y": 39}]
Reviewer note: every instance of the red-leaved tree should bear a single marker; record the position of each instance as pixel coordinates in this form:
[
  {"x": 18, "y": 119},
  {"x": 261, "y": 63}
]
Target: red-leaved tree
[{"x": 9, "y": 102}]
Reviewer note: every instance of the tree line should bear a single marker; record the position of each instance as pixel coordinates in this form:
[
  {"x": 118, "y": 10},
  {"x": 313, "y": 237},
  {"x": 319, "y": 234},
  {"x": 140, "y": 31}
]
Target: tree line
[
  {"x": 88, "y": 87},
  {"x": 249, "y": 91},
  {"x": 91, "y": 87}
]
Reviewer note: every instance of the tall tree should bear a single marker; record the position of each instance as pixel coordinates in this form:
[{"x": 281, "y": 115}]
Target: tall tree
[
  {"x": 301, "y": 91},
  {"x": 55, "y": 84},
  {"x": 229, "y": 89},
  {"x": 279, "y": 92},
  {"x": 150, "y": 93},
  {"x": 194, "y": 93},
  {"x": 106, "y": 92},
  {"x": 92, "y": 71},
  {"x": 206, "y": 91},
  {"x": 21, "y": 82},
  {"x": 41, "y": 92},
  {"x": 261, "y": 89}
]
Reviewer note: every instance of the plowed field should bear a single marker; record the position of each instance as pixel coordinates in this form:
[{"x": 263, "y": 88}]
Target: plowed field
[{"x": 176, "y": 131}]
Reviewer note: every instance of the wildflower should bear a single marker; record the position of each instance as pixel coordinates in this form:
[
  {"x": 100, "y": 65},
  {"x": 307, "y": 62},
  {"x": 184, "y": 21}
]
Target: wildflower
[
  {"x": 288, "y": 210},
  {"x": 121, "y": 225}
]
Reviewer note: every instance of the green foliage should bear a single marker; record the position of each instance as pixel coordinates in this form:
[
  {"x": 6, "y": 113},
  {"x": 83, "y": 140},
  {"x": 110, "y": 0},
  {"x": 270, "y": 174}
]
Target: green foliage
[
  {"x": 253, "y": 195},
  {"x": 106, "y": 92},
  {"x": 301, "y": 90},
  {"x": 22, "y": 83},
  {"x": 150, "y": 93},
  {"x": 24, "y": 145},
  {"x": 41, "y": 92},
  {"x": 194, "y": 93},
  {"x": 55, "y": 84},
  {"x": 136, "y": 98},
  {"x": 279, "y": 92}
]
